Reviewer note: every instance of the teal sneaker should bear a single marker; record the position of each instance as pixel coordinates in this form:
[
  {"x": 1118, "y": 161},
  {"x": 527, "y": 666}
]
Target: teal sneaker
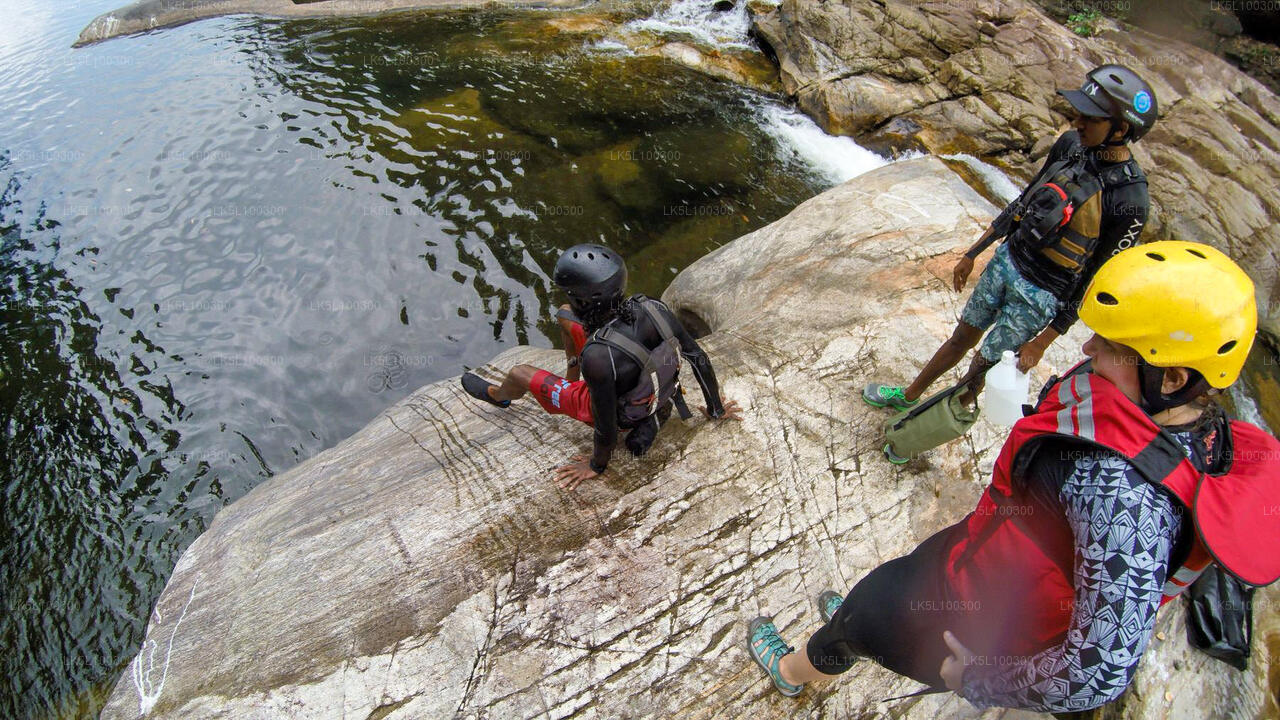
[
  {"x": 828, "y": 602},
  {"x": 893, "y": 457},
  {"x": 768, "y": 649},
  {"x": 877, "y": 395}
]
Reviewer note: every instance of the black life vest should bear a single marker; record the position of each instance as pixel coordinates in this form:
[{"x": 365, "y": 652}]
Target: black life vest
[
  {"x": 659, "y": 381},
  {"x": 1060, "y": 213}
]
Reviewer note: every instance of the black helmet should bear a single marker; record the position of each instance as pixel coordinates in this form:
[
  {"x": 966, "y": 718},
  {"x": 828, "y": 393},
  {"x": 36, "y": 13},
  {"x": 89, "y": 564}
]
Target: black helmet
[
  {"x": 592, "y": 276},
  {"x": 1116, "y": 92}
]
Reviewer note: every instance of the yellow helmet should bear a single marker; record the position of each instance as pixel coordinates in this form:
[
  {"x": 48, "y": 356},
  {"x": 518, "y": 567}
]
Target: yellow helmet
[{"x": 1178, "y": 304}]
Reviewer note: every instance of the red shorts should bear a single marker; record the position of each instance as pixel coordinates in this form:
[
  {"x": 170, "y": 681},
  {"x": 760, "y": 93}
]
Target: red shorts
[{"x": 561, "y": 397}]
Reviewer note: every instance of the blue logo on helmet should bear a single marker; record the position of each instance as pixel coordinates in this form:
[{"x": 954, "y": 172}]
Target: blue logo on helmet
[{"x": 1142, "y": 101}]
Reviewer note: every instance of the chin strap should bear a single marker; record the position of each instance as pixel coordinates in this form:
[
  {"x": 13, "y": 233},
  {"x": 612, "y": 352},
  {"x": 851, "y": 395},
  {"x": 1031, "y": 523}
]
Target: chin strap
[
  {"x": 1151, "y": 378},
  {"x": 1111, "y": 130}
]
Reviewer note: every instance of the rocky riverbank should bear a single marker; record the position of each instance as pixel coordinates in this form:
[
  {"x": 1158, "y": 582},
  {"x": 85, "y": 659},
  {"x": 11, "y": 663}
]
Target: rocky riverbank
[
  {"x": 429, "y": 567},
  {"x": 980, "y": 78}
]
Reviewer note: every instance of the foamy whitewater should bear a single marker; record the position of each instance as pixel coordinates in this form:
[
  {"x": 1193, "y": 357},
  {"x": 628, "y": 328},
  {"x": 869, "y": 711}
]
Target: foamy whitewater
[
  {"x": 992, "y": 176},
  {"x": 698, "y": 20},
  {"x": 834, "y": 158}
]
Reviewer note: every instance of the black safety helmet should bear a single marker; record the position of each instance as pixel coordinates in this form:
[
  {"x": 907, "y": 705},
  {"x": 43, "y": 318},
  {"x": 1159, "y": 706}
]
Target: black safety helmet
[
  {"x": 593, "y": 276},
  {"x": 1116, "y": 92}
]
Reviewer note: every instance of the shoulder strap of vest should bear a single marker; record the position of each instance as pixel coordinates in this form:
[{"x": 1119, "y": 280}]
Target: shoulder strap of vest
[
  {"x": 1126, "y": 173},
  {"x": 611, "y": 336},
  {"x": 660, "y": 322}
]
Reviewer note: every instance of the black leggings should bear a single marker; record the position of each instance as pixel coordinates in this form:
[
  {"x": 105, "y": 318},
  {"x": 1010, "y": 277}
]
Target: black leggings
[{"x": 895, "y": 616}]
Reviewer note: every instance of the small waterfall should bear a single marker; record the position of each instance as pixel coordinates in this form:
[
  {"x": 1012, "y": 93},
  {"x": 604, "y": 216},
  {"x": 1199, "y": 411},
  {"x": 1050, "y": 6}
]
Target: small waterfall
[
  {"x": 993, "y": 177},
  {"x": 700, "y": 21},
  {"x": 835, "y": 158}
]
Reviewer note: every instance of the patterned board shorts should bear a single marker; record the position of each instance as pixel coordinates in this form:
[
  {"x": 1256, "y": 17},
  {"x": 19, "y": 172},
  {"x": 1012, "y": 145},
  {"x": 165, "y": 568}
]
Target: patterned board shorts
[{"x": 1015, "y": 309}]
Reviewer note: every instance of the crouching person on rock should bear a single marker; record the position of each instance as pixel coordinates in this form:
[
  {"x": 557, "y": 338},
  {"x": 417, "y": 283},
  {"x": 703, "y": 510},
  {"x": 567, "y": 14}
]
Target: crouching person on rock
[
  {"x": 1122, "y": 487},
  {"x": 627, "y": 352},
  {"x": 1088, "y": 202}
]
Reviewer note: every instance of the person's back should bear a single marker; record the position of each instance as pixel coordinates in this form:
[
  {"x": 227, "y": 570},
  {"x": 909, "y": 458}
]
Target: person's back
[
  {"x": 612, "y": 374},
  {"x": 594, "y": 278}
]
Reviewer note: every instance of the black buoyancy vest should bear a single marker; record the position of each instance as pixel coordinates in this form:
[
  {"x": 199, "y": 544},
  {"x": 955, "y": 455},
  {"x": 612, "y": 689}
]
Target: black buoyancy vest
[
  {"x": 1060, "y": 213},
  {"x": 659, "y": 381}
]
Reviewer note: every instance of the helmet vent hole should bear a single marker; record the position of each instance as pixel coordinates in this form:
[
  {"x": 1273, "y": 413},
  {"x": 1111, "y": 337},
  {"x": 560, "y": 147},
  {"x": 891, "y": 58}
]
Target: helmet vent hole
[
  {"x": 1197, "y": 253},
  {"x": 1117, "y": 79},
  {"x": 1153, "y": 351},
  {"x": 575, "y": 255},
  {"x": 1226, "y": 347},
  {"x": 592, "y": 256},
  {"x": 1107, "y": 299},
  {"x": 1155, "y": 256}
]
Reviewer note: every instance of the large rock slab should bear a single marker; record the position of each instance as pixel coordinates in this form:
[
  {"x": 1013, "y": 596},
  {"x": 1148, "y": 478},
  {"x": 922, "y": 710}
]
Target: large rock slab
[
  {"x": 980, "y": 77},
  {"x": 429, "y": 567}
]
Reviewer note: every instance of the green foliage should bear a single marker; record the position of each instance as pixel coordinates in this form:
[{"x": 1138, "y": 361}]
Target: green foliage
[{"x": 1084, "y": 23}]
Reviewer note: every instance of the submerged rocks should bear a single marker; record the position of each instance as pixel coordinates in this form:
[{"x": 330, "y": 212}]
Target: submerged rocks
[
  {"x": 429, "y": 567},
  {"x": 980, "y": 78},
  {"x": 153, "y": 14}
]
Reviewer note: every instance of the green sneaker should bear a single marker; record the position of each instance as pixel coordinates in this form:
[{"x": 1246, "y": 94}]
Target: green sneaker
[
  {"x": 828, "y": 602},
  {"x": 893, "y": 457},
  {"x": 767, "y": 649},
  {"x": 877, "y": 395}
]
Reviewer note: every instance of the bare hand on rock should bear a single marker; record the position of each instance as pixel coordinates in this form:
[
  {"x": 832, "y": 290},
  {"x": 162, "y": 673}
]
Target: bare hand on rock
[
  {"x": 572, "y": 475},
  {"x": 731, "y": 411}
]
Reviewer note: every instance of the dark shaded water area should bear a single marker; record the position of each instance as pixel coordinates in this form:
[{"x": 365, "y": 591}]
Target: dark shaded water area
[{"x": 228, "y": 246}]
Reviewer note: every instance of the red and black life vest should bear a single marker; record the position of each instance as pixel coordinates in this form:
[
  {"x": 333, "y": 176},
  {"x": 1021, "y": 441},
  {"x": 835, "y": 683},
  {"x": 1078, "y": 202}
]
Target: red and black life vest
[
  {"x": 1060, "y": 213},
  {"x": 1012, "y": 557}
]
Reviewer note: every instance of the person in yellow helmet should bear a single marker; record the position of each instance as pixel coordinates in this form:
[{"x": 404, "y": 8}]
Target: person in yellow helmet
[{"x": 1122, "y": 487}]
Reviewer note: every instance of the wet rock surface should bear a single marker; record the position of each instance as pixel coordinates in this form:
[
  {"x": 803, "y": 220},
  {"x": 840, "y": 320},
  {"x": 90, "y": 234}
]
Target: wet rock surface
[
  {"x": 429, "y": 567},
  {"x": 980, "y": 78}
]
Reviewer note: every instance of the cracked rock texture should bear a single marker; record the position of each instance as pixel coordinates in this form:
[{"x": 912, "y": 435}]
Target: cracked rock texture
[
  {"x": 429, "y": 567},
  {"x": 980, "y": 77}
]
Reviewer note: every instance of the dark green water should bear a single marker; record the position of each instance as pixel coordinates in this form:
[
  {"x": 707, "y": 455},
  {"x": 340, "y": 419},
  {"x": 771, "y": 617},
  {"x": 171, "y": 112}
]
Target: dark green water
[{"x": 228, "y": 246}]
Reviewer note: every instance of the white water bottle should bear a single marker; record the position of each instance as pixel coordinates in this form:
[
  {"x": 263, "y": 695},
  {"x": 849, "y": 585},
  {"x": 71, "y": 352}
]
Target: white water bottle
[{"x": 1006, "y": 391}]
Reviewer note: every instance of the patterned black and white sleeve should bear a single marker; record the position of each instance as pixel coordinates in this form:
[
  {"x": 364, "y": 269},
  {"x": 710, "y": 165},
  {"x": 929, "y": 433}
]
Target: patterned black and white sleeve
[{"x": 1124, "y": 532}]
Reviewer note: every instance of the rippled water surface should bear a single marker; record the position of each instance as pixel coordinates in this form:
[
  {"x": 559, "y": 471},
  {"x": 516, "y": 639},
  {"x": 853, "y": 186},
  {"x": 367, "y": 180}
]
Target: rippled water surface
[{"x": 228, "y": 246}]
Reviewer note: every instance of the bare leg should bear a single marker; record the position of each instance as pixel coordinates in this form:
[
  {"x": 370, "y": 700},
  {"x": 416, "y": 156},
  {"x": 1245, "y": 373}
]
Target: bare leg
[
  {"x": 979, "y": 365},
  {"x": 515, "y": 384},
  {"x": 797, "y": 670},
  {"x": 961, "y": 341}
]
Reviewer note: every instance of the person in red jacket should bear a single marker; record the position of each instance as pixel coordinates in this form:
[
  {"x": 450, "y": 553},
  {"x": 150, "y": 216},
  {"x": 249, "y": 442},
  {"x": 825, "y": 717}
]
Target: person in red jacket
[{"x": 1124, "y": 485}]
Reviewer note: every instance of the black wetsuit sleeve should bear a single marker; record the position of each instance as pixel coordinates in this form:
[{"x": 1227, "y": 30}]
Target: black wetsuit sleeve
[
  {"x": 1120, "y": 229},
  {"x": 599, "y": 370},
  {"x": 699, "y": 363}
]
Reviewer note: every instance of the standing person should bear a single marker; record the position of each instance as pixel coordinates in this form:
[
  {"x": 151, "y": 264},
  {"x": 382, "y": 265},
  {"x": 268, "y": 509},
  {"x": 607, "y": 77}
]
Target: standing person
[
  {"x": 1088, "y": 202},
  {"x": 628, "y": 353},
  {"x": 1098, "y": 512}
]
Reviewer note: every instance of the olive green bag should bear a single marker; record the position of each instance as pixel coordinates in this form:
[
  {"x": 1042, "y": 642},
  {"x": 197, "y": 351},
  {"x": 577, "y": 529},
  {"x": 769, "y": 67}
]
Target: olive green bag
[{"x": 937, "y": 420}]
